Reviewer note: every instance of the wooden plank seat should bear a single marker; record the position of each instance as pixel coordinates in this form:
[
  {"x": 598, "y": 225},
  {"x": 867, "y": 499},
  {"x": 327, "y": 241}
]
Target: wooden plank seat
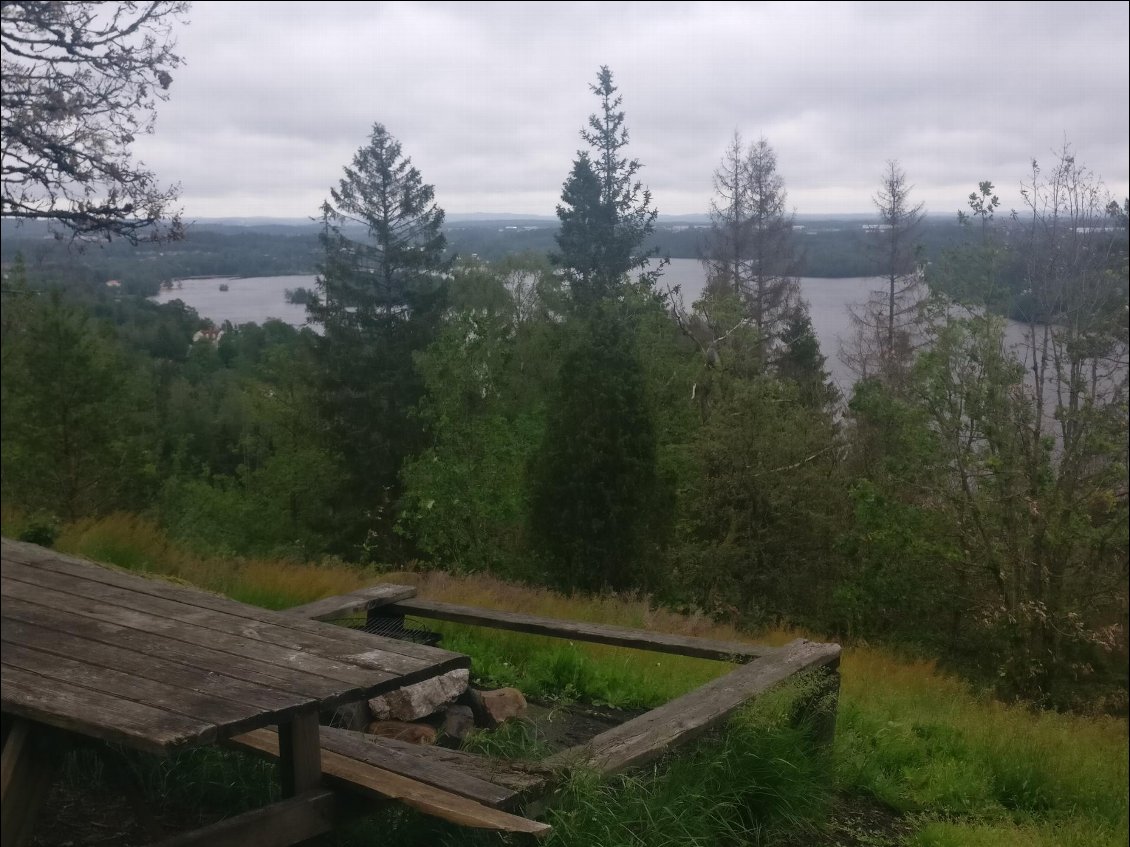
[
  {"x": 354, "y": 603},
  {"x": 619, "y": 636},
  {"x": 458, "y": 787}
]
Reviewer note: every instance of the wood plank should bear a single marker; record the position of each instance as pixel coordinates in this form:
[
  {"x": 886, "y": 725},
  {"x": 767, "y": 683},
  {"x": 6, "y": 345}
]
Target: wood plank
[
  {"x": 513, "y": 780},
  {"x": 29, "y": 765},
  {"x": 405, "y": 764},
  {"x": 153, "y": 585},
  {"x": 300, "y": 763},
  {"x": 234, "y": 717},
  {"x": 168, "y": 670},
  {"x": 354, "y": 603},
  {"x": 343, "y": 772},
  {"x": 348, "y": 676},
  {"x": 16, "y": 743},
  {"x": 649, "y": 736},
  {"x": 108, "y": 596},
  {"x": 281, "y": 824},
  {"x": 165, "y": 649},
  {"x": 640, "y": 639},
  {"x": 499, "y": 783},
  {"x": 99, "y": 715}
]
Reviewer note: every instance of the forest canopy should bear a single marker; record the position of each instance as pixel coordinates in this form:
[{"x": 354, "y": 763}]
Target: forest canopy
[{"x": 556, "y": 416}]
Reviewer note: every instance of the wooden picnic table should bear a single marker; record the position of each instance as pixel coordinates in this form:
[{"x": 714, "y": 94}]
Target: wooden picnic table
[{"x": 159, "y": 667}]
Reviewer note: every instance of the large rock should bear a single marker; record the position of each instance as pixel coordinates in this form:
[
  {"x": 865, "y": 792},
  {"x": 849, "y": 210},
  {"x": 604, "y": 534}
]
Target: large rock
[
  {"x": 422, "y": 699},
  {"x": 458, "y": 722},
  {"x": 413, "y": 733},
  {"x": 500, "y": 705}
]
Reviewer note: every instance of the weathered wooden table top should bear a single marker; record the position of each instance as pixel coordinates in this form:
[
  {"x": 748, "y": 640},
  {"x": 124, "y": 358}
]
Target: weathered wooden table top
[{"x": 157, "y": 666}]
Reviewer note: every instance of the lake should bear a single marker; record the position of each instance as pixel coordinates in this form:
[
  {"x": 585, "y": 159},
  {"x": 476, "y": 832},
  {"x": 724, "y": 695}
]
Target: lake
[
  {"x": 248, "y": 299},
  {"x": 256, "y": 299}
]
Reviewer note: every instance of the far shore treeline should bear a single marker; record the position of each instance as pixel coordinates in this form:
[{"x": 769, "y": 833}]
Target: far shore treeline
[
  {"x": 523, "y": 399},
  {"x": 834, "y": 247}
]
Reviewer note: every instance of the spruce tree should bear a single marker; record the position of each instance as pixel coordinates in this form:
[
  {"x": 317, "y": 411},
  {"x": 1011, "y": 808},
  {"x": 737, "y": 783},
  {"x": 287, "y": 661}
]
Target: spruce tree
[
  {"x": 381, "y": 294},
  {"x": 606, "y": 213},
  {"x": 594, "y": 480}
]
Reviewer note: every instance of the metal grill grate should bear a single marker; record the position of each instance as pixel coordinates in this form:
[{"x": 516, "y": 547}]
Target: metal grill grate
[{"x": 393, "y": 627}]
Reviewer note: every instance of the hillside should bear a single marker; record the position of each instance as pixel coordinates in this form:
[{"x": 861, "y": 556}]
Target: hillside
[{"x": 920, "y": 758}]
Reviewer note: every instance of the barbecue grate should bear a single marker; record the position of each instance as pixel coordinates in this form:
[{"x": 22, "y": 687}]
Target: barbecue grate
[{"x": 393, "y": 627}]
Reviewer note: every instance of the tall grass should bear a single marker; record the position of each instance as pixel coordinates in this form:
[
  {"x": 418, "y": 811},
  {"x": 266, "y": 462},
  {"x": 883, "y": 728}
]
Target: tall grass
[{"x": 964, "y": 769}]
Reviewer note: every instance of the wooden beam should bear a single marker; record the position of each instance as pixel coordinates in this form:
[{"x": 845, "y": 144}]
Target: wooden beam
[
  {"x": 27, "y": 769},
  {"x": 354, "y": 603},
  {"x": 281, "y": 824},
  {"x": 15, "y": 742},
  {"x": 300, "y": 759},
  {"x": 649, "y": 736},
  {"x": 370, "y": 781},
  {"x": 640, "y": 639}
]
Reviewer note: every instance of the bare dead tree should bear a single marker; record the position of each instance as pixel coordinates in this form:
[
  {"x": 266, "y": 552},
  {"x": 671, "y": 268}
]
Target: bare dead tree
[
  {"x": 80, "y": 82},
  {"x": 887, "y": 328},
  {"x": 1076, "y": 336},
  {"x": 751, "y": 250}
]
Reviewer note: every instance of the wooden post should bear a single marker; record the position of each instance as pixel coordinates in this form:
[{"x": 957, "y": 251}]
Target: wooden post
[
  {"x": 28, "y": 768},
  {"x": 300, "y": 753}
]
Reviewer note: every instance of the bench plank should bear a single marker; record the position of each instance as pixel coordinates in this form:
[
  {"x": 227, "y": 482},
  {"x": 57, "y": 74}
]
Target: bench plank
[
  {"x": 640, "y": 639},
  {"x": 354, "y": 603},
  {"x": 649, "y": 736},
  {"x": 356, "y": 745},
  {"x": 343, "y": 772},
  {"x": 512, "y": 780}
]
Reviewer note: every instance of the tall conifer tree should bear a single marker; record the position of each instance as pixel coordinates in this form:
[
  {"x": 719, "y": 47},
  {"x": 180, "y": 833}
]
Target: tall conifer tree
[
  {"x": 595, "y": 479},
  {"x": 381, "y": 293}
]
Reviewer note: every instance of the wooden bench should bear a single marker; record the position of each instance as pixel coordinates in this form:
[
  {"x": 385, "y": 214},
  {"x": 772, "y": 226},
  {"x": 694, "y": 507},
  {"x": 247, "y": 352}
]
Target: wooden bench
[
  {"x": 634, "y": 743},
  {"x": 459, "y": 787}
]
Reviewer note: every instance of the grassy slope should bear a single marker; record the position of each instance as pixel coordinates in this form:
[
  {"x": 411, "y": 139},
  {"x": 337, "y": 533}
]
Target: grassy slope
[{"x": 963, "y": 769}]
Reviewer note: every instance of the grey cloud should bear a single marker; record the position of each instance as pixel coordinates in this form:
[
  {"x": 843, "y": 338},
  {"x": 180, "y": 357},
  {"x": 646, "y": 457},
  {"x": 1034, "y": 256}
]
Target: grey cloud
[{"x": 488, "y": 98}]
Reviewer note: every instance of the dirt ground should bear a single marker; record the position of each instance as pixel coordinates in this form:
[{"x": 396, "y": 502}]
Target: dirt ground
[{"x": 560, "y": 727}]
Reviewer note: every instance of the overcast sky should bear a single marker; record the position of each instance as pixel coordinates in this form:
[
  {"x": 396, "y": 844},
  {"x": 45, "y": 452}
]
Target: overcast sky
[{"x": 488, "y": 99}]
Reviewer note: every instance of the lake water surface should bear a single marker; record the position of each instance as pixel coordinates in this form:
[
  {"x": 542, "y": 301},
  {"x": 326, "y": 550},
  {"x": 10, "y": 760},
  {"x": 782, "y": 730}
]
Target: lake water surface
[
  {"x": 248, "y": 299},
  {"x": 257, "y": 299}
]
